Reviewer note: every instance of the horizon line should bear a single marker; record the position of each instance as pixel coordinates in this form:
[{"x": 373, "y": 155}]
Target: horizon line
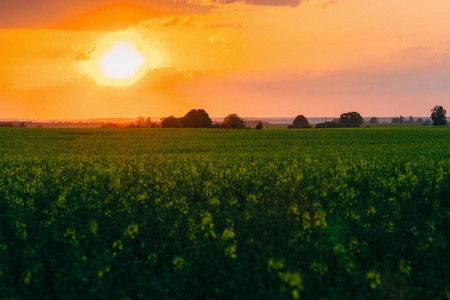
[{"x": 133, "y": 118}]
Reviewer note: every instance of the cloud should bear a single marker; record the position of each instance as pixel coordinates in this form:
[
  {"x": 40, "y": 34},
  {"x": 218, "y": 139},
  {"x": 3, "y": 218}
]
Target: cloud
[
  {"x": 326, "y": 3},
  {"x": 77, "y": 54},
  {"x": 291, "y": 3},
  {"x": 189, "y": 21},
  {"x": 82, "y": 56},
  {"x": 227, "y": 25},
  {"x": 223, "y": 37},
  {"x": 172, "y": 21},
  {"x": 72, "y": 14}
]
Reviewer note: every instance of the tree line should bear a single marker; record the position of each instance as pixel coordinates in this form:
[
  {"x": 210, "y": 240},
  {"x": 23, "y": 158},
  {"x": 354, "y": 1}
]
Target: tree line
[
  {"x": 354, "y": 119},
  {"x": 199, "y": 118}
]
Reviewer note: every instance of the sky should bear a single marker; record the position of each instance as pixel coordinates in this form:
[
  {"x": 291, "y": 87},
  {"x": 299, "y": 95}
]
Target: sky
[{"x": 256, "y": 58}]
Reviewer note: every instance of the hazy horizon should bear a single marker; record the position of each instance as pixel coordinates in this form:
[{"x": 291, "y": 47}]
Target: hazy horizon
[{"x": 273, "y": 120}]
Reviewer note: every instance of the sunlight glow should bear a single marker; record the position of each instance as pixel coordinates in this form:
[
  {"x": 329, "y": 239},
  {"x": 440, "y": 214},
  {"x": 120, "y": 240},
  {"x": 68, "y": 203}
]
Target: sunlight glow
[{"x": 121, "y": 59}]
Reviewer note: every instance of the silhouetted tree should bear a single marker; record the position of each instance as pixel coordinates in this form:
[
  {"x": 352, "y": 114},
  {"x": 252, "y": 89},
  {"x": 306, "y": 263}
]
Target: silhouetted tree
[
  {"x": 328, "y": 125},
  {"x": 219, "y": 126},
  {"x": 300, "y": 122},
  {"x": 374, "y": 120},
  {"x": 140, "y": 122},
  {"x": 411, "y": 119},
  {"x": 419, "y": 120},
  {"x": 171, "y": 122},
  {"x": 438, "y": 115},
  {"x": 186, "y": 122},
  {"x": 259, "y": 125},
  {"x": 198, "y": 118},
  {"x": 110, "y": 125},
  {"x": 233, "y": 121},
  {"x": 351, "y": 119},
  {"x": 398, "y": 120},
  {"x": 149, "y": 124}
]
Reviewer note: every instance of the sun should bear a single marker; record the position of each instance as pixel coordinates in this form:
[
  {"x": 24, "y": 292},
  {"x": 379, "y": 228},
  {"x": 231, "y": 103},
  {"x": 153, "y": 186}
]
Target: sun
[{"x": 121, "y": 59}]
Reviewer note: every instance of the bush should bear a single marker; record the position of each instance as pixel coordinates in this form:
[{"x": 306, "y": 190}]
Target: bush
[
  {"x": 259, "y": 126},
  {"x": 171, "y": 122},
  {"x": 328, "y": 125},
  {"x": 300, "y": 122},
  {"x": 233, "y": 121}
]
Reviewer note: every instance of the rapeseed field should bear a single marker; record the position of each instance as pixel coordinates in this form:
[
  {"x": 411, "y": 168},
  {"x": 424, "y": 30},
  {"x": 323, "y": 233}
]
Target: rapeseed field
[{"x": 223, "y": 214}]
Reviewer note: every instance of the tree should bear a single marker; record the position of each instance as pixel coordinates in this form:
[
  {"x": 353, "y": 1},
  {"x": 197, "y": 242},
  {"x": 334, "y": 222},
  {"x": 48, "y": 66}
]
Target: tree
[
  {"x": 419, "y": 120},
  {"x": 328, "y": 125},
  {"x": 351, "y": 119},
  {"x": 186, "y": 122},
  {"x": 140, "y": 121},
  {"x": 411, "y": 119},
  {"x": 219, "y": 126},
  {"x": 300, "y": 122},
  {"x": 110, "y": 125},
  {"x": 438, "y": 115},
  {"x": 374, "y": 120},
  {"x": 171, "y": 122},
  {"x": 233, "y": 121},
  {"x": 398, "y": 120},
  {"x": 149, "y": 124},
  {"x": 259, "y": 125},
  {"x": 198, "y": 118}
]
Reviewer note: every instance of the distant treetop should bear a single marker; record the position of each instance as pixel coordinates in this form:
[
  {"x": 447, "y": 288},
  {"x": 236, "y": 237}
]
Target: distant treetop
[
  {"x": 233, "y": 121},
  {"x": 171, "y": 122},
  {"x": 196, "y": 118},
  {"x": 374, "y": 120},
  {"x": 300, "y": 122},
  {"x": 351, "y": 119},
  {"x": 398, "y": 120},
  {"x": 438, "y": 115}
]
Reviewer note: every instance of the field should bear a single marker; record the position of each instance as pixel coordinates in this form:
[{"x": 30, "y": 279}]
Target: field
[{"x": 223, "y": 214}]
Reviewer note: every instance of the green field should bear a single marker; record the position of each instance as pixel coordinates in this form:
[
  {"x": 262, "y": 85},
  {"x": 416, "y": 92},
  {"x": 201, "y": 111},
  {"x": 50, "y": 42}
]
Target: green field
[{"x": 223, "y": 214}]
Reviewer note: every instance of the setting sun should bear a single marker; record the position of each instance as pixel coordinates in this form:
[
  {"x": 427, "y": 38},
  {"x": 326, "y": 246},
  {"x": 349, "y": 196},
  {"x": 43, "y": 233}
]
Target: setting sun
[{"x": 121, "y": 59}]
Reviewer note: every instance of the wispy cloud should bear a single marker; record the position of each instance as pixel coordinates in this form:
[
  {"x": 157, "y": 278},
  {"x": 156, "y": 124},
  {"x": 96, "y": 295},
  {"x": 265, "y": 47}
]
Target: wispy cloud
[{"x": 51, "y": 13}]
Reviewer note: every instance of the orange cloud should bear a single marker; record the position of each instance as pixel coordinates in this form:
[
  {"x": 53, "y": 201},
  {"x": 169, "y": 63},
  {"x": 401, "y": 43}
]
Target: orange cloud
[
  {"x": 106, "y": 14},
  {"x": 111, "y": 16}
]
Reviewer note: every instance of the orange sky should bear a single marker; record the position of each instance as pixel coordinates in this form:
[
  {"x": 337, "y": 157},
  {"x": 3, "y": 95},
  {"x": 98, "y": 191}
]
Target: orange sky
[{"x": 262, "y": 58}]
